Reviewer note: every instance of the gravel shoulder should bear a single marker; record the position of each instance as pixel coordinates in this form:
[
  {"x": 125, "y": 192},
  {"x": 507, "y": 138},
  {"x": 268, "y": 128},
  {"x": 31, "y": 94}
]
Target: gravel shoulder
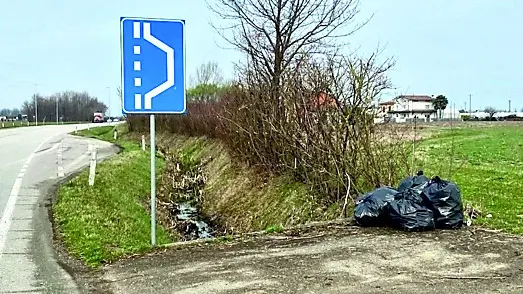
[{"x": 339, "y": 258}]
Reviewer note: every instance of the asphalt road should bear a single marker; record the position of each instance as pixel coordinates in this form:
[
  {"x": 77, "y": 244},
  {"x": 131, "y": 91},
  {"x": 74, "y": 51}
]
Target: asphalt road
[{"x": 32, "y": 160}]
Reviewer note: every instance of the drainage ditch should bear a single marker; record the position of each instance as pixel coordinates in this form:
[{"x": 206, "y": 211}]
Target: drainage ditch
[{"x": 179, "y": 197}]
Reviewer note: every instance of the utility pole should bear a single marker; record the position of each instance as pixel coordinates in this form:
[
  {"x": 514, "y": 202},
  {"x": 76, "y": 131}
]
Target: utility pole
[
  {"x": 470, "y": 104},
  {"x": 57, "y": 110},
  {"x": 109, "y": 106},
  {"x": 509, "y": 106},
  {"x": 36, "y": 105}
]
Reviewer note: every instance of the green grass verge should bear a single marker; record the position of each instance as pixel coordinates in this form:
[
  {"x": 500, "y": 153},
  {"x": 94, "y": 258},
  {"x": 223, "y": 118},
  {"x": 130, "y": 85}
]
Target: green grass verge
[
  {"x": 17, "y": 124},
  {"x": 102, "y": 223},
  {"x": 487, "y": 164}
]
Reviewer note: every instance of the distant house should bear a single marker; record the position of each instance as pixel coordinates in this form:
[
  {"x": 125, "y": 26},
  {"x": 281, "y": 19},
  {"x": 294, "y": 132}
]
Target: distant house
[
  {"x": 408, "y": 107},
  {"x": 385, "y": 107},
  {"x": 323, "y": 100}
]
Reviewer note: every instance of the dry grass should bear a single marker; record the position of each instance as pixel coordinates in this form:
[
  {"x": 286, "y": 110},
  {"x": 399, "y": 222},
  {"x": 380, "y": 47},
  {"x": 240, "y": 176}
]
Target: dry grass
[{"x": 236, "y": 199}]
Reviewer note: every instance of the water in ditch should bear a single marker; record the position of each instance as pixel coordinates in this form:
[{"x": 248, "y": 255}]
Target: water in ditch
[{"x": 192, "y": 226}]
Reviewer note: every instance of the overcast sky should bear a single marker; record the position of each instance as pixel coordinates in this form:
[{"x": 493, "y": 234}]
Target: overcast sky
[{"x": 455, "y": 48}]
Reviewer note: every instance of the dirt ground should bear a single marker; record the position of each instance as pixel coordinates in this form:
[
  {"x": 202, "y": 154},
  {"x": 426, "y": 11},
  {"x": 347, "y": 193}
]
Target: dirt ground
[{"x": 336, "y": 259}]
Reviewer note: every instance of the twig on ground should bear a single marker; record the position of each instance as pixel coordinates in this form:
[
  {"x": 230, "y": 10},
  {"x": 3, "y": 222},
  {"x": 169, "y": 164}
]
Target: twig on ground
[
  {"x": 466, "y": 277},
  {"x": 344, "y": 210}
]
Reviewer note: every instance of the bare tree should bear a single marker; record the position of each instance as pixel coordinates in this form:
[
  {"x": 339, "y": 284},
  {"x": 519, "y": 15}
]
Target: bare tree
[
  {"x": 491, "y": 111},
  {"x": 276, "y": 33},
  {"x": 208, "y": 74}
]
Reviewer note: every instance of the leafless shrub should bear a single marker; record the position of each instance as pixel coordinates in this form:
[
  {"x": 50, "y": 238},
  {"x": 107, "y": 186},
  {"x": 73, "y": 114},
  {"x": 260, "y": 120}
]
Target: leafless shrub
[
  {"x": 329, "y": 130},
  {"x": 299, "y": 106}
]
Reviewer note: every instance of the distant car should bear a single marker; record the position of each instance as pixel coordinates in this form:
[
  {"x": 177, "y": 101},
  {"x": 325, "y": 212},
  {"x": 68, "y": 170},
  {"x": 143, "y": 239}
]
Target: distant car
[
  {"x": 109, "y": 120},
  {"x": 116, "y": 120}
]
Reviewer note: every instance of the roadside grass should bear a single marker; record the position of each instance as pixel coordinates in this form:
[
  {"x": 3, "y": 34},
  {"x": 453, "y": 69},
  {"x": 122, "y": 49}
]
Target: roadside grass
[
  {"x": 487, "y": 164},
  {"x": 105, "y": 222},
  {"x": 18, "y": 124},
  {"x": 274, "y": 229}
]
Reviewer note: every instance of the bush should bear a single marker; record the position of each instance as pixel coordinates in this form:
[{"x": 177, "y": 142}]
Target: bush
[{"x": 317, "y": 125}]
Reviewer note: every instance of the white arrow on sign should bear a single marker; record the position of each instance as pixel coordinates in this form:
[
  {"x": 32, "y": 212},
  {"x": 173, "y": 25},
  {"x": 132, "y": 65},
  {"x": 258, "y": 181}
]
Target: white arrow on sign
[{"x": 148, "y": 97}]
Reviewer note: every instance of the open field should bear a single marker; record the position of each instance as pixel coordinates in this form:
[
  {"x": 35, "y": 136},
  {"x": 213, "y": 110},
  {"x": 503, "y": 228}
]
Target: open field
[
  {"x": 486, "y": 161},
  {"x": 18, "y": 124},
  {"x": 99, "y": 224}
]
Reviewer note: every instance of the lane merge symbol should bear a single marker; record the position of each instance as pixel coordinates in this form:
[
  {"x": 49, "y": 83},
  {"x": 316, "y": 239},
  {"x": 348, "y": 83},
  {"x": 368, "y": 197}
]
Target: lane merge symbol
[{"x": 153, "y": 65}]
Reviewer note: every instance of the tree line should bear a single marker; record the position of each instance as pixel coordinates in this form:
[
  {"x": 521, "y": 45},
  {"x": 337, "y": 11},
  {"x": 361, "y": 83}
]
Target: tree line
[
  {"x": 9, "y": 112},
  {"x": 67, "y": 105}
]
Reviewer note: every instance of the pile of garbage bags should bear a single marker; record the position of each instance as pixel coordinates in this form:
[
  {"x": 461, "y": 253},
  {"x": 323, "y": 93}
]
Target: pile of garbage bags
[{"x": 418, "y": 204}]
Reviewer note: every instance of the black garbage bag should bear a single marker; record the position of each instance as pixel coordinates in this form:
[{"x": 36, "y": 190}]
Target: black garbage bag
[
  {"x": 444, "y": 198},
  {"x": 408, "y": 213},
  {"x": 417, "y": 182},
  {"x": 371, "y": 208}
]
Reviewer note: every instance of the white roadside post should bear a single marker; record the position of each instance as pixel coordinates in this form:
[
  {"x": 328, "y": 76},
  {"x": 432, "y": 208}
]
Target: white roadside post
[
  {"x": 92, "y": 166},
  {"x": 169, "y": 35},
  {"x": 3, "y": 125},
  {"x": 115, "y": 134}
]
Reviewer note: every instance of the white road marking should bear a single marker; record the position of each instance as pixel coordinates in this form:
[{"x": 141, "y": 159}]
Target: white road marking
[
  {"x": 5, "y": 222},
  {"x": 80, "y": 158},
  {"x": 136, "y": 50},
  {"x": 22, "y": 160}
]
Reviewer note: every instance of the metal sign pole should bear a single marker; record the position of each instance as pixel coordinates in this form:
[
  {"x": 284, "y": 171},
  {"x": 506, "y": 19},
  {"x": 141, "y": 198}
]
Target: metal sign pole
[
  {"x": 153, "y": 180},
  {"x": 169, "y": 96}
]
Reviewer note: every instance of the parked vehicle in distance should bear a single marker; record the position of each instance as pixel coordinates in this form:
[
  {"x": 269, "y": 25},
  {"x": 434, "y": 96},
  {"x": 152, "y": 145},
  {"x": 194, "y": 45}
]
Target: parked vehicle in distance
[{"x": 98, "y": 117}]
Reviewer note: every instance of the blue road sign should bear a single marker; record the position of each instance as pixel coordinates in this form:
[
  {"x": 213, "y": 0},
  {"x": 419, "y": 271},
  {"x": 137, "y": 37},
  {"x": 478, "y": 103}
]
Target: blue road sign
[{"x": 153, "y": 65}]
